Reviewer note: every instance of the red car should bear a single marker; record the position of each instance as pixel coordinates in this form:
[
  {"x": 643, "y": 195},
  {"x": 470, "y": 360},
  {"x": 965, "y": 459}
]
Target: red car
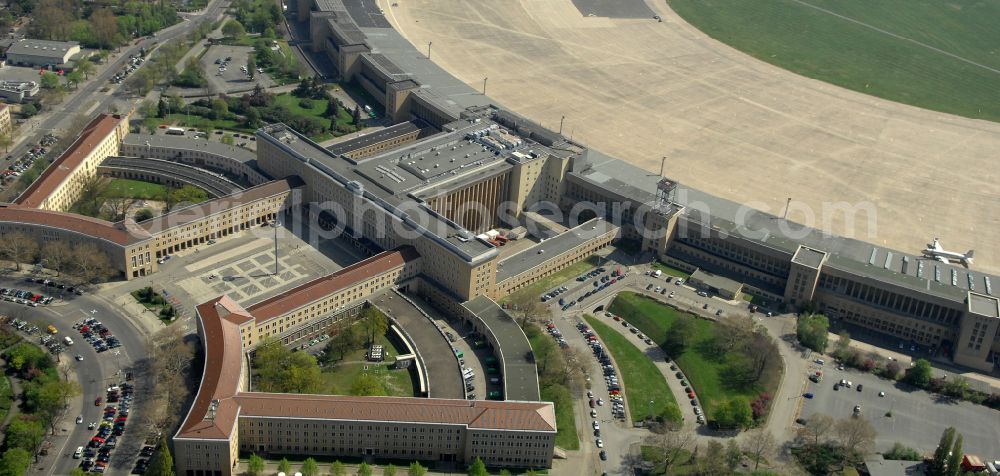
[
  {"x": 593, "y": 403},
  {"x": 98, "y": 401}
]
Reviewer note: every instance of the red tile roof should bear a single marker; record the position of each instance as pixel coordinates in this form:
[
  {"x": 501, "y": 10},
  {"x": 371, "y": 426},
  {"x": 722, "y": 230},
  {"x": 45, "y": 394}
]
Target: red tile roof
[
  {"x": 63, "y": 167},
  {"x": 220, "y": 380},
  {"x": 476, "y": 414},
  {"x": 91, "y": 227},
  {"x": 318, "y": 288}
]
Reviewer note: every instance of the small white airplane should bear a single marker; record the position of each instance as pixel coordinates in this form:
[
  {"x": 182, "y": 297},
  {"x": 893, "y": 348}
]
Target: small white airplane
[{"x": 934, "y": 250}]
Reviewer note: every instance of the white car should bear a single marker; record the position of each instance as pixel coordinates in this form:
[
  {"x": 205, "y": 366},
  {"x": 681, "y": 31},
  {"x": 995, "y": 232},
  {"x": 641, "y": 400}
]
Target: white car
[
  {"x": 597, "y": 426},
  {"x": 881, "y": 394},
  {"x": 600, "y": 444},
  {"x": 79, "y": 420},
  {"x": 593, "y": 413},
  {"x": 600, "y": 402}
]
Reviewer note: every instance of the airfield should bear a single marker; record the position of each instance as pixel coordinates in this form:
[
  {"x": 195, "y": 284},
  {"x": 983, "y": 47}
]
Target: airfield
[{"x": 728, "y": 124}]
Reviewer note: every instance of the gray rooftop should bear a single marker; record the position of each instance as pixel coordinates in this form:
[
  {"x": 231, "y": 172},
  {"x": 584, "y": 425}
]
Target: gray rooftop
[
  {"x": 984, "y": 305},
  {"x": 191, "y": 144},
  {"x": 848, "y": 254},
  {"x": 715, "y": 281},
  {"x": 548, "y": 249},
  {"x": 386, "y": 185},
  {"x": 519, "y": 373},
  {"x": 372, "y": 138},
  {"x": 809, "y": 257},
  {"x": 54, "y": 49},
  {"x": 877, "y": 466}
]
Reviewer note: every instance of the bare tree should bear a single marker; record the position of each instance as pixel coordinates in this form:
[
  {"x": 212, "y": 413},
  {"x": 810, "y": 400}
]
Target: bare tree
[
  {"x": 19, "y": 248},
  {"x": 735, "y": 333},
  {"x": 91, "y": 264},
  {"x": 759, "y": 444},
  {"x": 817, "y": 428},
  {"x": 119, "y": 207},
  {"x": 855, "y": 434},
  {"x": 575, "y": 365},
  {"x": 58, "y": 255},
  {"x": 673, "y": 446}
]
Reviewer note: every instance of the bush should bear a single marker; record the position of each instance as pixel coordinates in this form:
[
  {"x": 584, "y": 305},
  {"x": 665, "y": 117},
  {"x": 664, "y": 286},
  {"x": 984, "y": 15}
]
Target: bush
[
  {"x": 143, "y": 214},
  {"x": 29, "y": 110},
  {"x": 900, "y": 452},
  {"x": 306, "y": 104}
]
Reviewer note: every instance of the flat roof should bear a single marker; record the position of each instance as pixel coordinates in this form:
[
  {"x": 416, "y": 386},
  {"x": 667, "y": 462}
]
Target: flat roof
[
  {"x": 520, "y": 376},
  {"x": 847, "y": 254},
  {"x": 984, "y": 305},
  {"x": 551, "y": 248},
  {"x": 317, "y": 289},
  {"x": 474, "y": 414},
  {"x": 80, "y": 224},
  {"x": 372, "y": 138},
  {"x": 216, "y": 185},
  {"x": 58, "y": 171},
  {"x": 809, "y": 257},
  {"x": 715, "y": 281},
  {"x": 383, "y": 185},
  {"x": 213, "y": 413},
  {"x": 190, "y": 144},
  {"x": 47, "y": 48},
  {"x": 878, "y": 466},
  {"x": 164, "y": 222}
]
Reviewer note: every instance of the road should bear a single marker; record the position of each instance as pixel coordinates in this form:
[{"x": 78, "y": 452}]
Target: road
[
  {"x": 88, "y": 98},
  {"x": 94, "y": 373}
]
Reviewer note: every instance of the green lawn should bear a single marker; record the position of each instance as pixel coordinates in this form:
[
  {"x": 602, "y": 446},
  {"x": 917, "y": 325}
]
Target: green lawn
[
  {"x": 927, "y": 53},
  {"x": 6, "y": 396},
  {"x": 642, "y": 381},
  {"x": 397, "y": 382},
  {"x": 136, "y": 189},
  {"x": 566, "y": 437},
  {"x": 700, "y": 365},
  {"x": 670, "y": 271},
  {"x": 536, "y": 289},
  {"x": 318, "y": 111}
]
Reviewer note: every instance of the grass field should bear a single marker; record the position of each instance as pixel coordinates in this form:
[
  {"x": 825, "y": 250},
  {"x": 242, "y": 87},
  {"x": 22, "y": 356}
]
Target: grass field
[
  {"x": 136, "y": 189},
  {"x": 927, "y": 53},
  {"x": 700, "y": 365},
  {"x": 642, "y": 381},
  {"x": 545, "y": 284},
  {"x": 397, "y": 382},
  {"x": 670, "y": 271},
  {"x": 566, "y": 437}
]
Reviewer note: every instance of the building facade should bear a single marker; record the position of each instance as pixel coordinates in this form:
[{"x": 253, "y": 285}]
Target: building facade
[
  {"x": 6, "y": 125},
  {"x": 60, "y": 185}
]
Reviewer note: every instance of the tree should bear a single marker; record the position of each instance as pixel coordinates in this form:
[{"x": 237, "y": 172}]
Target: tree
[
  {"x": 6, "y": 141},
  {"x": 416, "y": 469},
  {"x": 25, "y": 432},
  {"x": 679, "y": 336},
  {"x": 954, "y": 465},
  {"x": 284, "y": 466},
  {"x": 163, "y": 463},
  {"x": 251, "y": 66},
  {"x": 85, "y": 67},
  {"x": 186, "y": 195},
  {"x": 252, "y": 118},
  {"x": 91, "y": 264},
  {"x": 49, "y": 80},
  {"x": 309, "y": 467},
  {"x": 119, "y": 207},
  {"x": 356, "y": 116},
  {"x": 74, "y": 78},
  {"x": 843, "y": 342},
  {"x": 812, "y": 331},
  {"x": 389, "y": 470},
  {"x": 345, "y": 340},
  {"x": 673, "y": 446},
  {"x": 337, "y": 469},
  {"x": 759, "y": 445},
  {"x": 29, "y": 110},
  {"x": 505, "y": 472},
  {"x": 957, "y": 387},
  {"x": 478, "y": 468},
  {"x": 938, "y": 464},
  {"x": 733, "y": 413},
  {"x": 713, "y": 463},
  {"x": 733, "y": 455},
  {"x": 367, "y": 385},
  {"x": 105, "y": 27},
  {"x": 16, "y": 461},
  {"x": 817, "y": 428},
  {"x": 162, "y": 109},
  {"x": 255, "y": 467},
  {"x": 363, "y": 469},
  {"x": 58, "y": 255},
  {"x": 375, "y": 323},
  {"x": 233, "y": 29},
  {"x": 220, "y": 109},
  {"x": 19, "y": 248},
  {"x": 919, "y": 375},
  {"x": 900, "y": 452},
  {"x": 281, "y": 370},
  {"x": 891, "y": 370},
  {"x": 855, "y": 435},
  {"x": 333, "y": 109},
  {"x": 143, "y": 214}
]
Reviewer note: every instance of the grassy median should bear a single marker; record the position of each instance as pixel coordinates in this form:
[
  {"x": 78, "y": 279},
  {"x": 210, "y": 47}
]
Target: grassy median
[
  {"x": 553, "y": 384},
  {"x": 642, "y": 381}
]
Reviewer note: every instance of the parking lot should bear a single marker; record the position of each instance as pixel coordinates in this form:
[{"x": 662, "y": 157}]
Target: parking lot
[
  {"x": 918, "y": 417},
  {"x": 232, "y": 78}
]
